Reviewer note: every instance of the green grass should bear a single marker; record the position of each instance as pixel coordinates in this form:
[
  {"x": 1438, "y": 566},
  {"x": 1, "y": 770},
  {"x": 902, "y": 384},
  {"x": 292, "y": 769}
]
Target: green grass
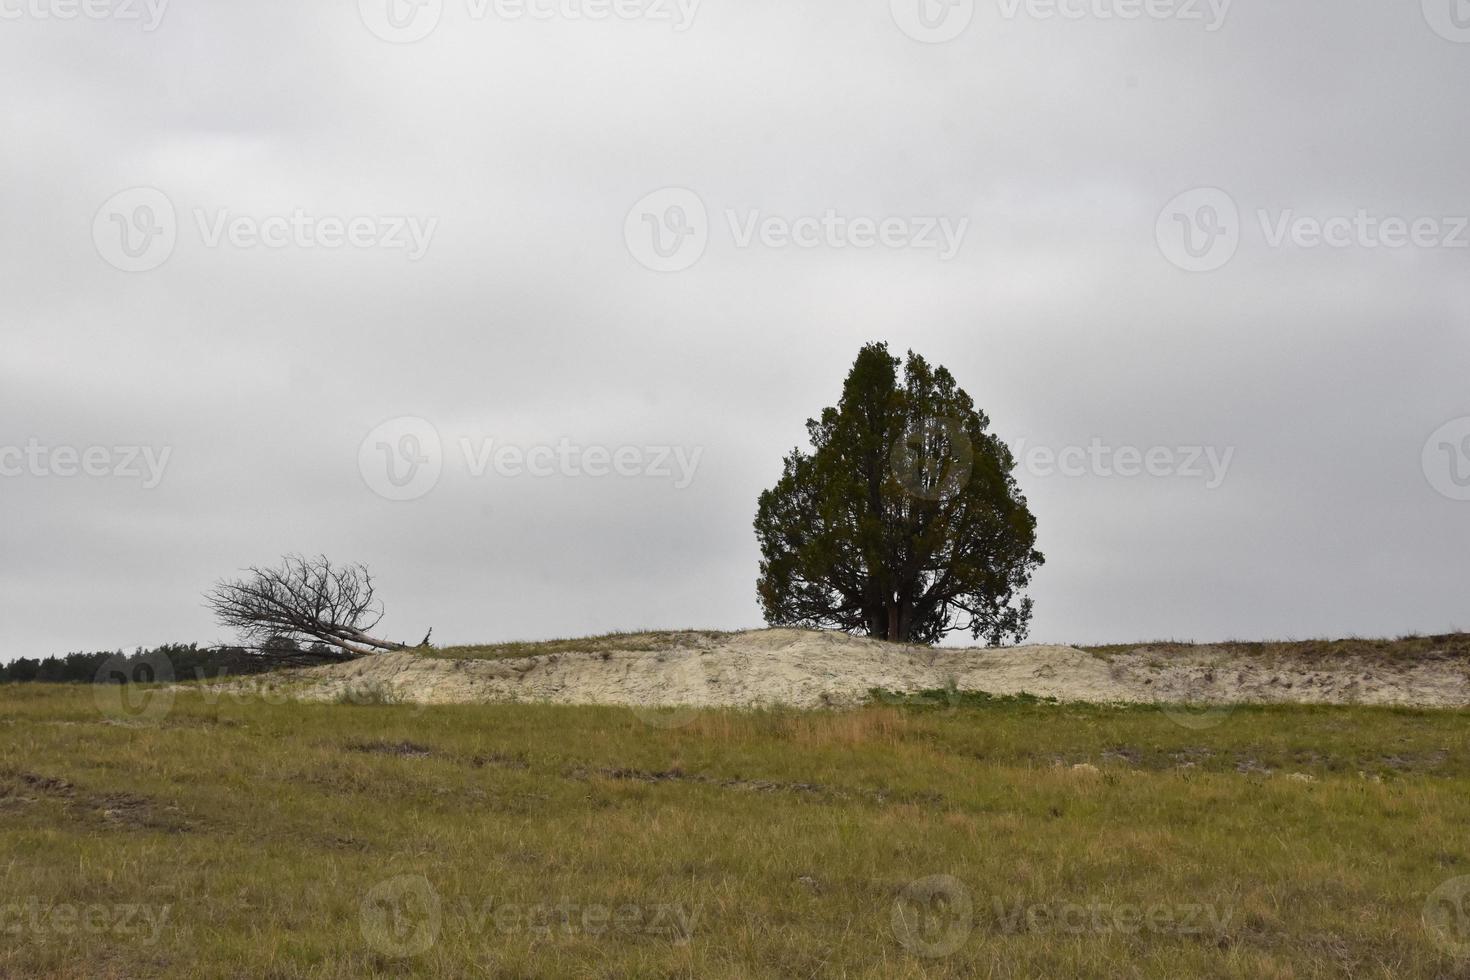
[
  {"x": 650, "y": 640},
  {"x": 743, "y": 844}
]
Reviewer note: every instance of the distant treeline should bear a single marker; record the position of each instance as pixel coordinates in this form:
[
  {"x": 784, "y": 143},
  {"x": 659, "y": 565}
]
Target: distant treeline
[{"x": 185, "y": 661}]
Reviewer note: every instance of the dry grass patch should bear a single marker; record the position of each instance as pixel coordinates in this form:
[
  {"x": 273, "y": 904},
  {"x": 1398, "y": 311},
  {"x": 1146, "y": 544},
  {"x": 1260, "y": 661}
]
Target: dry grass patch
[
  {"x": 654, "y": 640},
  {"x": 1402, "y": 651}
]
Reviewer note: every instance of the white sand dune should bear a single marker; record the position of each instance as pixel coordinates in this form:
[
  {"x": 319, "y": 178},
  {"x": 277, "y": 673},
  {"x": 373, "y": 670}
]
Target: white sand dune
[{"x": 804, "y": 668}]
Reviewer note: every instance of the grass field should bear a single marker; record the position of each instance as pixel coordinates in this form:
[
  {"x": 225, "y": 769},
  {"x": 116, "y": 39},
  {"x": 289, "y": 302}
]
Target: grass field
[{"x": 227, "y": 836}]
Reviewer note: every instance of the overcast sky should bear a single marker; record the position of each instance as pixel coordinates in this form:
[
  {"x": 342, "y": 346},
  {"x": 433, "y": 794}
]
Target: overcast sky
[{"x": 268, "y": 266}]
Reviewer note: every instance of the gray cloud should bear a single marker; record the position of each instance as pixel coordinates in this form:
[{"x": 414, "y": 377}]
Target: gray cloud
[{"x": 529, "y": 321}]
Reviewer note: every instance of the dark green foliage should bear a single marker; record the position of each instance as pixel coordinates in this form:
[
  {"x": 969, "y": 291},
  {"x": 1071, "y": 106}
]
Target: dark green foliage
[
  {"x": 23, "y": 669},
  {"x": 904, "y": 521},
  {"x": 186, "y": 661}
]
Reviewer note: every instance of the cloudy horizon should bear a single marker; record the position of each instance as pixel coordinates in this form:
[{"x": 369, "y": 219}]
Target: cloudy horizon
[{"x": 522, "y": 303}]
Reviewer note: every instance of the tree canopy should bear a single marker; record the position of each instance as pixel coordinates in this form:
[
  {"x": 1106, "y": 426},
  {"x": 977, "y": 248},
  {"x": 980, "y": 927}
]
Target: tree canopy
[{"x": 903, "y": 521}]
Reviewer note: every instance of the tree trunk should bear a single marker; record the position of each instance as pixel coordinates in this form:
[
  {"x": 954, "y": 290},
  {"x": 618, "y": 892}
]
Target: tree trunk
[{"x": 898, "y": 625}]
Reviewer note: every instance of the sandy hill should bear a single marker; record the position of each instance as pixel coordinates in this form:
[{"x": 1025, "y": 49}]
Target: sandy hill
[{"x": 804, "y": 668}]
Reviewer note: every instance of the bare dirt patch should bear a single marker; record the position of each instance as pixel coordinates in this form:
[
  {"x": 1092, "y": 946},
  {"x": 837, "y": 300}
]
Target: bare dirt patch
[
  {"x": 114, "y": 810},
  {"x": 411, "y": 750}
]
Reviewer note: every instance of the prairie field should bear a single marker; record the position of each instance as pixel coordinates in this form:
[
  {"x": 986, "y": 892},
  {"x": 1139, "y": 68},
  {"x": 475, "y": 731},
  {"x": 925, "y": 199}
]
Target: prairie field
[{"x": 196, "y": 832}]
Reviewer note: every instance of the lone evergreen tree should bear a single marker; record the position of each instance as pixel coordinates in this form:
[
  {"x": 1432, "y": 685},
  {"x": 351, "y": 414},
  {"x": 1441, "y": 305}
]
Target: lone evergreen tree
[{"x": 903, "y": 522}]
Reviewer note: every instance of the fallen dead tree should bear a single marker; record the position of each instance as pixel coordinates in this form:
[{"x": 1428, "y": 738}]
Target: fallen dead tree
[{"x": 304, "y": 610}]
